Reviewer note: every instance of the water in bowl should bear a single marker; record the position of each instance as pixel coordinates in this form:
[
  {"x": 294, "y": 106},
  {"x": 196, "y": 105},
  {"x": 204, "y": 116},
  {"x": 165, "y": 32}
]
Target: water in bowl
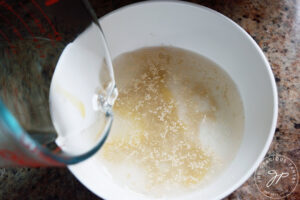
[{"x": 178, "y": 122}]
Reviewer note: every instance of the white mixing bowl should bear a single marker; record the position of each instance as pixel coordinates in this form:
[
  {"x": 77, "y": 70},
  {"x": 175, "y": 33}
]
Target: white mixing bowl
[{"x": 216, "y": 37}]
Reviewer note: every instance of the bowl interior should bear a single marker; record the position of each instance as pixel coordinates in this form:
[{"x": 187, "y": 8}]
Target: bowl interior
[{"x": 214, "y": 36}]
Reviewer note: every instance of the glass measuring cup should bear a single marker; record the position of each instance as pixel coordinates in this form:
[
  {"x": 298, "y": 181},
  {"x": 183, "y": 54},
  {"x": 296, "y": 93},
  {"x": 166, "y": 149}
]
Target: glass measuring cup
[{"x": 35, "y": 36}]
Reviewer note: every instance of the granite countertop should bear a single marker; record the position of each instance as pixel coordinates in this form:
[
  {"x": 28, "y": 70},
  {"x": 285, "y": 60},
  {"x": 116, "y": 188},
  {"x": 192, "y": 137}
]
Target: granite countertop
[{"x": 275, "y": 26}]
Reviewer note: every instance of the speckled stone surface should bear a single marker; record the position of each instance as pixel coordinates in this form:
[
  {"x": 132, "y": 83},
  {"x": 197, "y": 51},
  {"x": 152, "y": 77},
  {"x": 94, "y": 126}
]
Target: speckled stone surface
[{"x": 275, "y": 26}]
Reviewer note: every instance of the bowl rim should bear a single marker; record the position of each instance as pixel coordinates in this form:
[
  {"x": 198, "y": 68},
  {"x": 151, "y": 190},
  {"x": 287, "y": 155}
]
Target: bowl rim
[{"x": 272, "y": 127}]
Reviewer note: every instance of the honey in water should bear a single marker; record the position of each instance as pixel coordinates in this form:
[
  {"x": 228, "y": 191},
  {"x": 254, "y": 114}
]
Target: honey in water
[{"x": 178, "y": 121}]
